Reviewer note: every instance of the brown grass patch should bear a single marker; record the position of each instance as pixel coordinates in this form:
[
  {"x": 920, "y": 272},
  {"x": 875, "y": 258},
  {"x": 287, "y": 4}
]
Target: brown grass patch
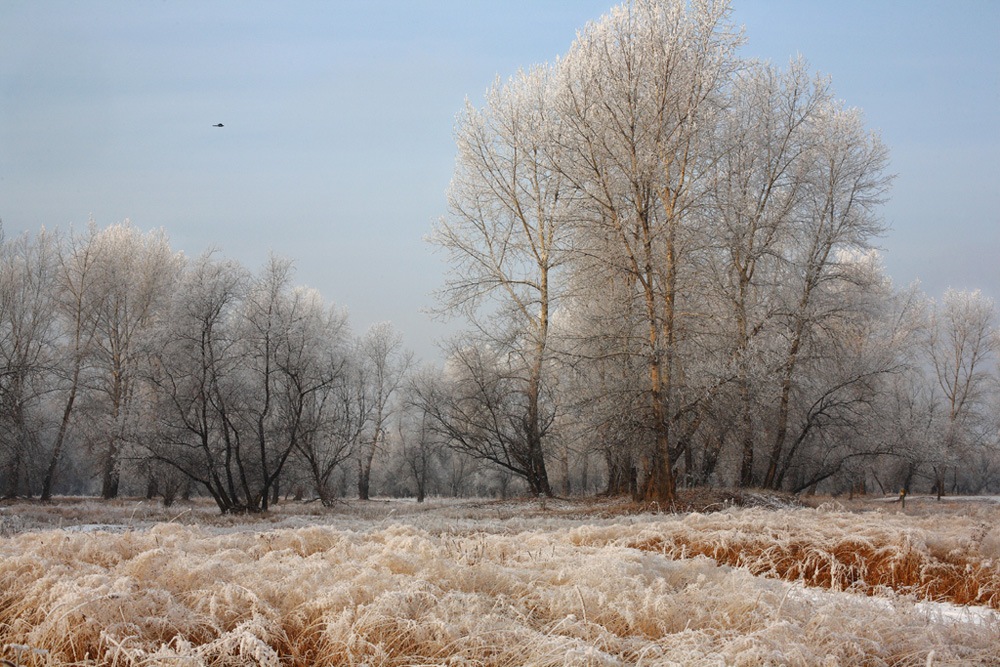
[{"x": 872, "y": 563}]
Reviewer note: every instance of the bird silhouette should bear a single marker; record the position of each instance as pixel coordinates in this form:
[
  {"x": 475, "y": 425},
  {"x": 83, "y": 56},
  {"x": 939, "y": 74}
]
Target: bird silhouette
[{"x": 218, "y": 125}]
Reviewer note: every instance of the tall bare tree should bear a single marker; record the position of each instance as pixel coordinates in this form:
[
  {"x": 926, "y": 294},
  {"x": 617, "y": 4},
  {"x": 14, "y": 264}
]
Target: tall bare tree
[
  {"x": 505, "y": 235},
  {"x": 846, "y": 184},
  {"x": 78, "y": 300},
  {"x": 640, "y": 89},
  {"x": 194, "y": 361},
  {"x": 135, "y": 273},
  {"x": 757, "y": 185}
]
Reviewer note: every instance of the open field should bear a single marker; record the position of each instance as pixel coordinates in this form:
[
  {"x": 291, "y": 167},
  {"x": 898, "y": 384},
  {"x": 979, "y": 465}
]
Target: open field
[{"x": 502, "y": 583}]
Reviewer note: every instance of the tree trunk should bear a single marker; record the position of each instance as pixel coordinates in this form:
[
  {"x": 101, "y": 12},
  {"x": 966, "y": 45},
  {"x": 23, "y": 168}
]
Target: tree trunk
[
  {"x": 622, "y": 472},
  {"x": 364, "y": 477},
  {"x": 50, "y": 471},
  {"x": 110, "y": 477},
  {"x": 771, "y": 480}
]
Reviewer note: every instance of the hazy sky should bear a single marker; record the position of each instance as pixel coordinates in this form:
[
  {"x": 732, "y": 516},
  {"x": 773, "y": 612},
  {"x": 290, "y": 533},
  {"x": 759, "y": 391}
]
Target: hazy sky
[{"x": 337, "y": 147}]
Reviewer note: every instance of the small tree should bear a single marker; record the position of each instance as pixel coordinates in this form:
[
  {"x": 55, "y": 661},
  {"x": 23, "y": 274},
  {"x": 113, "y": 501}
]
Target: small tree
[
  {"x": 419, "y": 449},
  {"x": 338, "y": 418}
]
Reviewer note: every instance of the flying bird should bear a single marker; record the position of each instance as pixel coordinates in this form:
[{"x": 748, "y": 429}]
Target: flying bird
[{"x": 218, "y": 125}]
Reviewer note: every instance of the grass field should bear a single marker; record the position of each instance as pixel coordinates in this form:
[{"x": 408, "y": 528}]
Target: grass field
[{"x": 502, "y": 583}]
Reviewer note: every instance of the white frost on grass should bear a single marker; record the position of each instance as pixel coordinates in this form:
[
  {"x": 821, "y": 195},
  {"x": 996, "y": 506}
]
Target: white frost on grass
[
  {"x": 96, "y": 528},
  {"x": 463, "y": 587},
  {"x": 935, "y": 612}
]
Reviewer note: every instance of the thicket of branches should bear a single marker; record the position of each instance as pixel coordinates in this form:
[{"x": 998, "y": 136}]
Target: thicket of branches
[{"x": 666, "y": 256}]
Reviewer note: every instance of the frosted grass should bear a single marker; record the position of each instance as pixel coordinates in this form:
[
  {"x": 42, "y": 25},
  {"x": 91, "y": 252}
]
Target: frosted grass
[{"x": 483, "y": 585}]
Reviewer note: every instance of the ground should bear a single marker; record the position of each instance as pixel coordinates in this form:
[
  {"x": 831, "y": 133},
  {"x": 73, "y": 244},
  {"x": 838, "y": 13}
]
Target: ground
[{"x": 726, "y": 578}]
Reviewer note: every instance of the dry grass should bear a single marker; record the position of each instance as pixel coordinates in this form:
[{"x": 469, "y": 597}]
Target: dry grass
[
  {"x": 528, "y": 583},
  {"x": 936, "y": 562}
]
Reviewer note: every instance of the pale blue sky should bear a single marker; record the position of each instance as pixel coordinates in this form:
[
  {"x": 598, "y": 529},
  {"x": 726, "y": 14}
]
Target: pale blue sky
[{"x": 338, "y": 147}]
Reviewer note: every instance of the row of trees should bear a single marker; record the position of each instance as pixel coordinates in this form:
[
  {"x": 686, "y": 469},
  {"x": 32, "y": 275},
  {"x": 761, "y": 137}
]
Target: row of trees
[
  {"x": 124, "y": 360},
  {"x": 665, "y": 253}
]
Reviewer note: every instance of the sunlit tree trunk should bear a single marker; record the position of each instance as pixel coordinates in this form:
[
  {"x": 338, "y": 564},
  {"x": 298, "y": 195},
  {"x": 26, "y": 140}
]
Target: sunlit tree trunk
[{"x": 640, "y": 91}]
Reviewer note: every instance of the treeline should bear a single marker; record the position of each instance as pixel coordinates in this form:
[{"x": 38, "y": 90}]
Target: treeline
[
  {"x": 666, "y": 255},
  {"x": 127, "y": 368}
]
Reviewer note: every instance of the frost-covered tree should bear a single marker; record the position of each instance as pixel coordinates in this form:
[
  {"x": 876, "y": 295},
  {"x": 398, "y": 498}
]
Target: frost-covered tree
[
  {"x": 383, "y": 364},
  {"x": 845, "y": 186},
  {"x": 505, "y": 237},
  {"x": 287, "y": 340},
  {"x": 28, "y": 356},
  {"x": 699, "y": 204},
  {"x": 418, "y": 446},
  {"x": 640, "y": 90},
  {"x": 756, "y": 195},
  {"x": 846, "y": 369},
  {"x": 961, "y": 347},
  {"x": 135, "y": 274},
  {"x": 476, "y": 408},
  {"x": 192, "y": 370},
  {"x": 338, "y": 419},
  {"x": 77, "y": 300},
  {"x": 246, "y": 373}
]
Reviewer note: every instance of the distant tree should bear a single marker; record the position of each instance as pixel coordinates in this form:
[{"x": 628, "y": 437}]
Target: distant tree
[
  {"x": 419, "y": 447},
  {"x": 77, "y": 300},
  {"x": 193, "y": 370},
  {"x": 337, "y": 419},
  {"x": 848, "y": 368},
  {"x": 27, "y": 358},
  {"x": 961, "y": 348},
  {"x": 383, "y": 363},
  {"x": 476, "y": 409},
  {"x": 244, "y": 371},
  {"x": 284, "y": 339},
  {"x": 135, "y": 274}
]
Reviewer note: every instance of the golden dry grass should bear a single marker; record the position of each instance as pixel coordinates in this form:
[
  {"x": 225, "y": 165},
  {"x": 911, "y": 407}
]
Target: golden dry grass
[{"x": 493, "y": 584}]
